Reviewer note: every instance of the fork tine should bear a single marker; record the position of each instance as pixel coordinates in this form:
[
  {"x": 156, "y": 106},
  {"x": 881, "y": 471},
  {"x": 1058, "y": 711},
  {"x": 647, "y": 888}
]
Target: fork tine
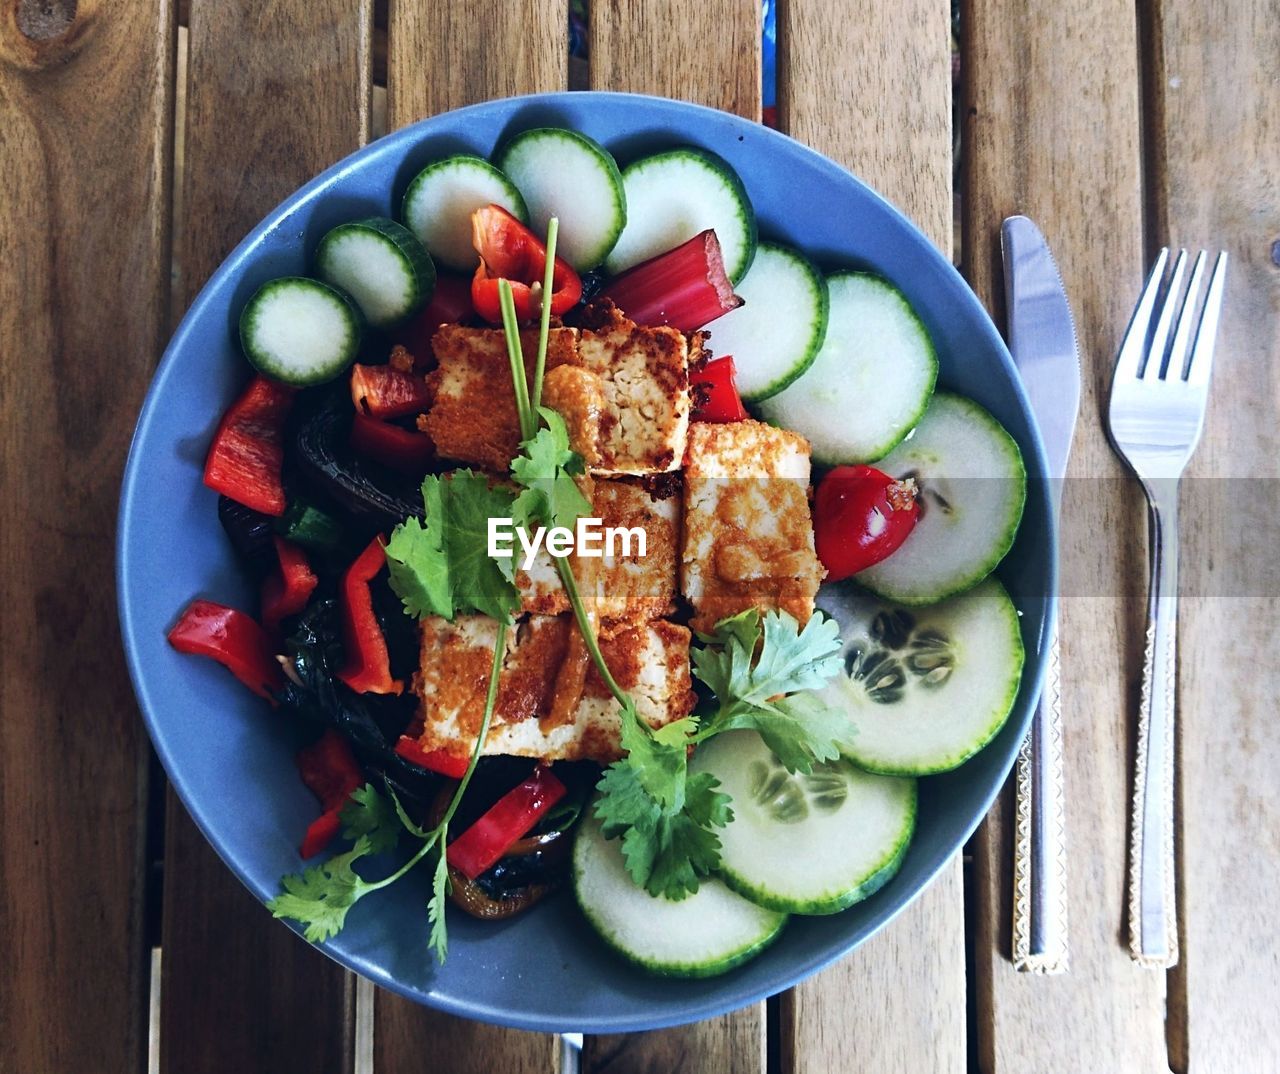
[
  {"x": 1134, "y": 346},
  {"x": 1152, "y": 367},
  {"x": 1197, "y": 373},
  {"x": 1186, "y": 319}
]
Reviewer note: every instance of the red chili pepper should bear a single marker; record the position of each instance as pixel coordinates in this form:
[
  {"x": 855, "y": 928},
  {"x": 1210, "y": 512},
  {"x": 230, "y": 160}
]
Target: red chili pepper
[
  {"x": 715, "y": 394},
  {"x": 509, "y": 250},
  {"x": 442, "y": 761},
  {"x": 861, "y": 515},
  {"x": 231, "y": 638},
  {"x": 382, "y": 391},
  {"x": 476, "y": 849},
  {"x": 287, "y": 593},
  {"x": 367, "y": 669},
  {"x": 450, "y": 303},
  {"x": 405, "y": 450},
  {"x": 247, "y": 452},
  {"x": 331, "y": 772}
]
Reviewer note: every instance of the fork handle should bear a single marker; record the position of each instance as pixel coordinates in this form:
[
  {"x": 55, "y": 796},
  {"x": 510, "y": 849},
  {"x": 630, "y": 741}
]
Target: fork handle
[{"x": 1153, "y": 923}]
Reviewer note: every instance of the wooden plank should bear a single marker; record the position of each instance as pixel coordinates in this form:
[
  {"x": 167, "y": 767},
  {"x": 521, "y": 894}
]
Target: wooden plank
[
  {"x": 1214, "y": 143},
  {"x": 263, "y": 114},
  {"x": 474, "y": 50},
  {"x": 85, "y": 92},
  {"x": 708, "y": 53},
  {"x": 1052, "y": 128},
  {"x": 873, "y": 92}
]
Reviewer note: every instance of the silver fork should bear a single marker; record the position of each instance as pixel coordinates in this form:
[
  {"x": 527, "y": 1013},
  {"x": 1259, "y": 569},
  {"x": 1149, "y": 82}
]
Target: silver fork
[{"x": 1158, "y": 397}]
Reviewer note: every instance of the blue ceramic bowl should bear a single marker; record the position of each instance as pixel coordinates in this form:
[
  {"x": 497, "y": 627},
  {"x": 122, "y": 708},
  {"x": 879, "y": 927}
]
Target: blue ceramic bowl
[{"x": 232, "y": 764}]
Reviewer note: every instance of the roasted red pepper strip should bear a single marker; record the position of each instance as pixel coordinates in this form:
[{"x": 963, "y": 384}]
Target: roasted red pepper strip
[
  {"x": 442, "y": 761},
  {"x": 510, "y": 251},
  {"x": 509, "y": 818},
  {"x": 287, "y": 593},
  {"x": 331, "y": 772},
  {"x": 405, "y": 450},
  {"x": 233, "y": 639},
  {"x": 715, "y": 394},
  {"x": 450, "y": 304},
  {"x": 367, "y": 669},
  {"x": 383, "y": 391},
  {"x": 248, "y": 449}
]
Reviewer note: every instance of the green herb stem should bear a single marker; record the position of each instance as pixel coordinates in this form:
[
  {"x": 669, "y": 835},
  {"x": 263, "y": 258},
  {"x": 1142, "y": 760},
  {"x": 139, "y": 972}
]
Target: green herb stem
[
  {"x": 544, "y": 325},
  {"x": 515, "y": 353},
  {"x": 588, "y": 635}
]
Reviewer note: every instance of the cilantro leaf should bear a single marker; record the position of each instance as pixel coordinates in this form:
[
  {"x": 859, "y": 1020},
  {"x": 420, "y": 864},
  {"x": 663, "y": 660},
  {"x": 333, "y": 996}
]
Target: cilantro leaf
[
  {"x": 439, "y": 940},
  {"x": 417, "y": 560},
  {"x": 368, "y": 814},
  {"x": 800, "y": 730},
  {"x": 545, "y": 468},
  {"x": 320, "y": 896},
  {"x": 408, "y": 823}
]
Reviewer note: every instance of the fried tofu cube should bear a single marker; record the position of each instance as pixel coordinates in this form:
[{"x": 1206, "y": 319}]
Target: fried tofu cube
[
  {"x": 748, "y": 535},
  {"x": 645, "y": 374},
  {"x": 551, "y": 703},
  {"x": 630, "y": 583},
  {"x": 473, "y": 416}
]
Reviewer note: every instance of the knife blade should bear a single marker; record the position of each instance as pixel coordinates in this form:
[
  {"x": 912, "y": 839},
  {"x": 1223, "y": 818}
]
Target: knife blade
[{"x": 1043, "y": 342}]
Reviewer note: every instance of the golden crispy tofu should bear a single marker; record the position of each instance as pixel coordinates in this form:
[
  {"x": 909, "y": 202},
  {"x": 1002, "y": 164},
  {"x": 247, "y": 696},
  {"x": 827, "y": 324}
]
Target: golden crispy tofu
[
  {"x": 626, "y": 585},
  {"x": 473, "y": 416},
  {"x": 551, "y": 703},
  {"x": 748, "y": 536}
]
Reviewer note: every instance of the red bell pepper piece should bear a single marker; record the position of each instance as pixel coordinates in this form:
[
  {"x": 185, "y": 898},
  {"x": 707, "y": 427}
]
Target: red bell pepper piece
[
  {"x": 685, "y": 288},
  {"x": 233, "y": 639},
  {"x": 406, "y": 450},
  {"x": 476, "y": 849},
  {"x": 331, "y": 772},
  {"x": 442, "y": 761},
  {"x": 287, "y": 593},
  {"x": 247, "y": 452},
  {"x": 450, "y": 304},
  {"x": 383, "y": 391},
  {"x": 509, "y": 250},
  {"x": 367, "y": 669},
  {"x": 715, "y": 394}
]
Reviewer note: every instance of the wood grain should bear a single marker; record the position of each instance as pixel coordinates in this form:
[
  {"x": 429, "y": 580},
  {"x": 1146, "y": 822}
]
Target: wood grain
[
  {"x": 1214, "y": 156},
  {"x": 1052, "y": 130},
  {"x": 276, "y": 93},
  {"x": 708, "y": 53},
  {"x": 442, "y": 56},
  {"x": 445, "y": 55},
  {"x": 85, "y": 95},
  {"x": 874, "y": 94}
]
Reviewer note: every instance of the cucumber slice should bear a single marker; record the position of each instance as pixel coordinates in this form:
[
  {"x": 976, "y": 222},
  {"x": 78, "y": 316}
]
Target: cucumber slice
[
  {"x": 300, "y": 331},
  {"x": 775, "y": 335},
  {"x": 568, "y": 175},
  {"x": 381, "y": 265},
  {"x": 926, "y": 688},
  {"x": 871, "y": 379},
  {"x": 806, "y": 844},
  {"x": 438, "y": 205},
  {"x": 972, "y": 487},
  {"x": 673, "y": 196},
  {"x": 707, "y": 933}
]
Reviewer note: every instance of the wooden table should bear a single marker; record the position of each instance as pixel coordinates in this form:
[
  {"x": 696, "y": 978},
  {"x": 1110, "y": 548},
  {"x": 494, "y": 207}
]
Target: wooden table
[{"x": 1116, "y": 134}]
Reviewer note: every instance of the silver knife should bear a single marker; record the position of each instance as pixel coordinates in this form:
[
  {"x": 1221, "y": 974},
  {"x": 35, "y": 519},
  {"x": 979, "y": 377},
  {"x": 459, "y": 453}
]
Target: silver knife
[{"x": 1042, "y": 339}]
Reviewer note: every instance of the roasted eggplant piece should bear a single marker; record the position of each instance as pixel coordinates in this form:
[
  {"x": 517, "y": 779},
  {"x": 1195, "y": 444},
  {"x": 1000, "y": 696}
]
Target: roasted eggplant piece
[{"x": 250, "y": 533}]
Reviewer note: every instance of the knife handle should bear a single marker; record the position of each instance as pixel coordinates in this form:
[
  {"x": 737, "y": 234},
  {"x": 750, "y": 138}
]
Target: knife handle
[{"x": 1040, "y": 851}]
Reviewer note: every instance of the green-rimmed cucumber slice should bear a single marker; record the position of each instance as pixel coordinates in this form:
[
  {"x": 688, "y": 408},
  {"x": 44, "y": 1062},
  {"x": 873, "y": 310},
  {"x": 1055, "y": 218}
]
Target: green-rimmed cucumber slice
[
  {"x": 567, "y": 175},
  {"x": 972, "y": 486},
  {"x": 806, "y": 844},
  {"x": 924, "y": 688},
  {"x": 673, "y": 196},
  {"x": 300, "y": 331},
  {"x": 871, "y": 379},
  {"x": 775, "y": 335},
  {"x": 381, "y": 265},
  {"x": 438, "y": 205},
  {"x": 707, "y": 933}
]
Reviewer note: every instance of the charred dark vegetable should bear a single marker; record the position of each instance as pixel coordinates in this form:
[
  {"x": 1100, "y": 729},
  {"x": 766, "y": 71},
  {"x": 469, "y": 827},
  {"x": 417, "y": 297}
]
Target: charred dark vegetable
[
  {"x": 319, "y": 431},
  {"x": 250, "y": 533}
]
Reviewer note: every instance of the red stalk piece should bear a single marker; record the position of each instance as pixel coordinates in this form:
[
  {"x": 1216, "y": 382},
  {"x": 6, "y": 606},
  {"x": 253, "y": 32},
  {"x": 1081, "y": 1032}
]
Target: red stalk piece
[{"x": 685, "y": 288}]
